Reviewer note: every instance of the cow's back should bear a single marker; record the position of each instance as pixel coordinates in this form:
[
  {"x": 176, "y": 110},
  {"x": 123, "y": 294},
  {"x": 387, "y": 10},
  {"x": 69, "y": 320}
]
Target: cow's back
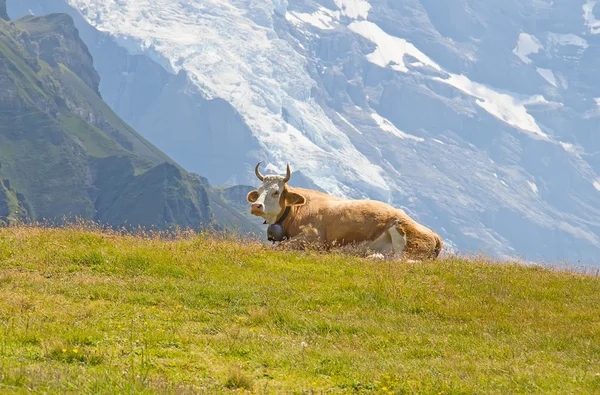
[{"x": 346, "y": 221}]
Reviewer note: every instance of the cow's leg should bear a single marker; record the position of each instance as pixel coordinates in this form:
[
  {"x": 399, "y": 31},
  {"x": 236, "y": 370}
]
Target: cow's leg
[
  {"x": 380, "y": 246},
  {"x": 301, "y": 242},
  {"x": 391, "y": 242},
  {"x": 398, "y": 239},
  {"x": 307, "y": 238}
]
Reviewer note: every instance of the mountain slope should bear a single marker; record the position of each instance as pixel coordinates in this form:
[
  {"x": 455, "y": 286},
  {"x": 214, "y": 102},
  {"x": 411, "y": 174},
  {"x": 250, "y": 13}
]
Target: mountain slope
[
  {"x": 64, "y": 153},
  {"x": 479, "y": 118}
]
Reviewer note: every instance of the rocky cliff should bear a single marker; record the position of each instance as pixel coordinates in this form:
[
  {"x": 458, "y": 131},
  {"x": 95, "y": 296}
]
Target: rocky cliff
[
  {"x": 64, "y": 153},
  {"x": 3, "y": 13}
]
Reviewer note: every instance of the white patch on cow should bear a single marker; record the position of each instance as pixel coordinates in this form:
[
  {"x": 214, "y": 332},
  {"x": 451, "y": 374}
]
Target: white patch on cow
[
  {"x": 382, "y": 244},
  {"x": 378, "y": 256},
  {"x": 398, "y": 241},
  {"x": 527, "y": 45},
  {"x": 389, "y": 127},
  {"x": 268, "y": 195}
]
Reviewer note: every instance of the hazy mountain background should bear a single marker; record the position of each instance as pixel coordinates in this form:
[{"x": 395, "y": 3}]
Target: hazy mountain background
[
  {"x": 64, "y": 153},
  {"x": 480, "y": 118}
]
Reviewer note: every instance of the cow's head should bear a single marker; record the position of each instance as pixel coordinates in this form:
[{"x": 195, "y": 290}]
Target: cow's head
[{"x": 271, "y": 198}]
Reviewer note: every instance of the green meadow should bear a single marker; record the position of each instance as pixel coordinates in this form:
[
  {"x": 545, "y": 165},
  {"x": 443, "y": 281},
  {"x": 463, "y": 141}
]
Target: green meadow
[{"x": 90, "y": 311}]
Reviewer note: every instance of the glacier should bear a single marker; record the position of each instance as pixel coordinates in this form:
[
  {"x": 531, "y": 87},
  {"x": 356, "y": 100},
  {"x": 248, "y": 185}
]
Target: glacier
[{"x": 479, "y": 118}]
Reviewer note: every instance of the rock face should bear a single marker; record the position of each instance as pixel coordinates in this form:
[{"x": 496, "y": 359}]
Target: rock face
[
  {"x": 64, "y": 153},
  {"x": 57, "y": 41},
  {"x": 166, "y": 105},
  {"x": 479, "y": 118},
  {"x": 3, "y": 13},
  {"x": 161, "y": 195}
]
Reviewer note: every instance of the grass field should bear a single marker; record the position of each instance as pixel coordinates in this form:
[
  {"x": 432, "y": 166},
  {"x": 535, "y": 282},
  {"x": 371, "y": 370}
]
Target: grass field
[{"x": 85, "y": 311}]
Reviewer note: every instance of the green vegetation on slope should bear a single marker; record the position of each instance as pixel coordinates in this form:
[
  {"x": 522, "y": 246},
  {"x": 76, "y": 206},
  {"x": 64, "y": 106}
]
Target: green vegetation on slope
[
  {"x": 230, "y": 204},
  {"x": 66, "y": 154},
  {"x": 92, "y": 312},
  {"x": 58, "y": 44}
]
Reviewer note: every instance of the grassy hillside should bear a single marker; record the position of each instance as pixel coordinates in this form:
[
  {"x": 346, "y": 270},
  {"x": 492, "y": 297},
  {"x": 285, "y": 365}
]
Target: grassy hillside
[{"x": 86, "y": 311}]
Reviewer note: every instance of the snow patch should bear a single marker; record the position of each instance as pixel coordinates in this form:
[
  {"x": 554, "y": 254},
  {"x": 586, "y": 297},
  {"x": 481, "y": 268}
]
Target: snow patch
[
  {"x": 539, "y": 100},
  {"x": 389, "y": 127},
  {"x": 501, "y": 105},
  {"x": 597, "y": 100},
  {"x": 533, "y": 187},
  {"x": 348, "y": 123},
  {"x": 439, "y": 141},
  {"x": 567, "y": 39},
  {"x": 390, "y": 49},
  {"x": 590, "y": 19},
  {"x": 354, "y": 9},
  {"x": 570, "y": 148},
  {"x": 527, "y": 45},
  {"x": 548, "y": 75},
  {"x": 596, "y": 184},
  {"x": 320, "y": 19}
]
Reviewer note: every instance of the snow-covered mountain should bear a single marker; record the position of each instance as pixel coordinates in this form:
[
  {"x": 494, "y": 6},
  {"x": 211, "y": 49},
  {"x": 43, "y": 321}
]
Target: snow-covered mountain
[{"x": 480, "y": 118}]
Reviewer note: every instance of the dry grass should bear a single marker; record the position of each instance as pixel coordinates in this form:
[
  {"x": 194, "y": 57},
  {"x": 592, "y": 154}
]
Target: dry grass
[{"x": 87, "y": 310}]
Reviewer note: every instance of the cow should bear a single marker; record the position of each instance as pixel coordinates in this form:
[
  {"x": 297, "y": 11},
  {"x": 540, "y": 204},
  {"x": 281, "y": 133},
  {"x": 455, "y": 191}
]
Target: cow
[{"x": 304, "y": 217}]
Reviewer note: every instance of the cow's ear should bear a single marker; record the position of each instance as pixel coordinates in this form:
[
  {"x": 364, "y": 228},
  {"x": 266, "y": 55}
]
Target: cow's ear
[
  {"x": 295, "y": 199},
  {"x": 252, "y": 196}
]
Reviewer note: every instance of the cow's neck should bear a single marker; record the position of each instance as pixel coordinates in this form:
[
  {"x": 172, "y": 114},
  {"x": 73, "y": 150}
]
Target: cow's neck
[
  {"x": 269, "y": 220},
  {"x": 280, "y": 218}
]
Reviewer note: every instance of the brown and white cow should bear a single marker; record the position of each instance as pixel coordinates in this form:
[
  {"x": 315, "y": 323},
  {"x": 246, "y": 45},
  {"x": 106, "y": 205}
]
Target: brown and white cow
[{"x": 313, "y": 217}]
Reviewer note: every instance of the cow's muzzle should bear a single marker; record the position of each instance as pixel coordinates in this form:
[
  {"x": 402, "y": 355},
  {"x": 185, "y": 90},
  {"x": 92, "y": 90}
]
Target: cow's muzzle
[{"x": 257, "y": 209}]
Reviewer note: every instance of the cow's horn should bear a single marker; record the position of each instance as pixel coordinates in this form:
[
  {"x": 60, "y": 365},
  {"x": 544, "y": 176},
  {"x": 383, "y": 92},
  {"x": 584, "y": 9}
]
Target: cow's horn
[
  {"x": 257, "y": 172},
  {"x": 288, "y": 174}
]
